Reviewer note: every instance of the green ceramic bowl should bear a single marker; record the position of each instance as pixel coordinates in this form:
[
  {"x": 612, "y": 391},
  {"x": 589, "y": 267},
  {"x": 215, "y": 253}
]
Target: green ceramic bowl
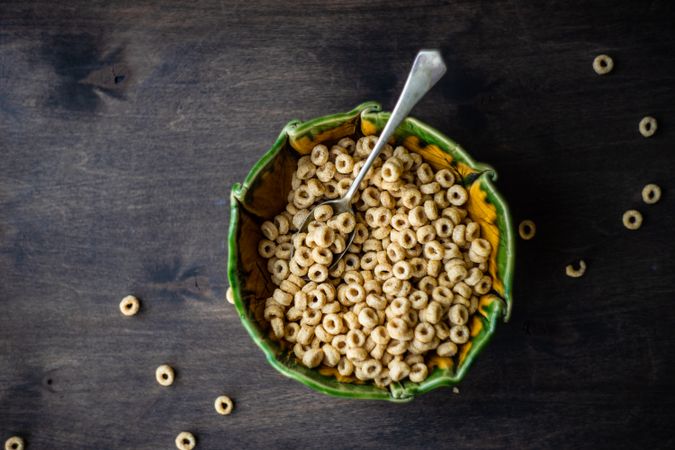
[{"x": 263, "y": 194}]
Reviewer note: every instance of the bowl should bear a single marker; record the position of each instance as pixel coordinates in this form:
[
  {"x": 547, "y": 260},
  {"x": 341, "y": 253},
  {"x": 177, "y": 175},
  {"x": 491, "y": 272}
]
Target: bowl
[{"x": 263, "y": 194}]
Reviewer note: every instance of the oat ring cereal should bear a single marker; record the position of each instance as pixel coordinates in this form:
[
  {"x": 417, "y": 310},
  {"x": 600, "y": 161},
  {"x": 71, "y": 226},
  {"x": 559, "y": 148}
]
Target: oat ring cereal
[
  {"x": 527, "y": 229},
  {"x": 130, "y": 305},
  {"x": 648, "y": 126},
  {"x": 409, "y": 283},
  {"x": 14, "y": 443},
  {"x": 651, "y": 194},
  {"x": 164, "y": 375},
  {"x": 603, "y": 64},
  {"x": 185, "y": 441},
  {"x": 224, "y": 405},
  {"x": 229, "y": 295},
  {"x": 632, "y": 219},
  {"x": 576, "y": 272}
]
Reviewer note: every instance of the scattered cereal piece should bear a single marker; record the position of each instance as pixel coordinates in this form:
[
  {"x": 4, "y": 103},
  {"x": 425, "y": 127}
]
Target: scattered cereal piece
[
  {"x": 571, "y": 271},
  {"x": 651, "y": 194},
  {"x": 632, "y": 219},
  {"x": 229, "y": 295},
  {"x": 224, "y": 405},
  {"x": 603, "y": 64},
  {"x": 164, "y": 375},
  {"x": 648, "y": 126},
  {"x": 130, "y": 305},
  {"x": 527, "y": 230},
  {"x": 185, "y": 441},
  {"x": 14, "y": 443},
  {"x": 455, "y": 390}
]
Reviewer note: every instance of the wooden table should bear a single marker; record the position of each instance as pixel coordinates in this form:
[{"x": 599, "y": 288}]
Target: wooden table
[{"x": 124, "y": 124}]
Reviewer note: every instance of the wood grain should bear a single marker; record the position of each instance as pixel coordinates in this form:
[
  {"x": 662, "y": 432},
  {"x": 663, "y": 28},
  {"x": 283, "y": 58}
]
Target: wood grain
[{"x": 124, "y": 124}]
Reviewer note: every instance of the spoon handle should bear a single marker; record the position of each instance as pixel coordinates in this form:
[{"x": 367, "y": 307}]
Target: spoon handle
[{"x": 427, "y": 69}]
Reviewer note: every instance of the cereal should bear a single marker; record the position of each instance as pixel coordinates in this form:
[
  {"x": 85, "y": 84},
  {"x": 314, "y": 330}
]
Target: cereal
[
  {"x": 648, "y": 126},
  {"x": 408, "y": 282},
  {"x": 229, "y": 294},
  {"x": 575, "y": 272},
  {"x": 457, "y": 195},
  {"x": 319, "y": 155},
  {"x": 459, "y": 334},
  {"x": 224, "y": 405},
  {"x": 164, "y": 375},
  {"x": 312, "y": 357},
  {"x": 603, "y": 64},
  {"x": 185, "y": 441},
  {"x": 130, "y": 305},
  {"x": 527, "y": 230},
  {"x": 651, "y": 194},
  {"x": 632, "y": 219},
  {"x": 14, "y": 443}
]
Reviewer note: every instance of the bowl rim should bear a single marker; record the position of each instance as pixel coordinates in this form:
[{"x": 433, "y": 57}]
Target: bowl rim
[{"x": 397, "y": 393}]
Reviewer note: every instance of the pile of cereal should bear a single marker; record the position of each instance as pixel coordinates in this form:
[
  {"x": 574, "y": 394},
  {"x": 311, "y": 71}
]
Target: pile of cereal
[{"x": 407, "y": 286}]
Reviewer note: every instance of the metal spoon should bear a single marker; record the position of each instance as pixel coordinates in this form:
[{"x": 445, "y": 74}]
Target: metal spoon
[{"x": 426, "y": 70}]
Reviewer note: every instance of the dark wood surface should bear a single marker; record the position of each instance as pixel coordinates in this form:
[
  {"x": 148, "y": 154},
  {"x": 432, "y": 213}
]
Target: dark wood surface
[{"x": 124, "y": 124}]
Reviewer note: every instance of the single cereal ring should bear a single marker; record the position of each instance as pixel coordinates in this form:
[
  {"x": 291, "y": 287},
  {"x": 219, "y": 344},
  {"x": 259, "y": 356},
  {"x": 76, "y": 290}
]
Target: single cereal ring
[
  {"x": 459, "y": 334},
  {"x": 349, "y": 144},
  {"x": 484, "y": 285},
  {"x": 425, "y": 332},
  {"x": 311, "y": 317},
  {"x": 571, "y": 271},
  {"x": 418, "y": 372},
  {"x": 651, "y": 194},
  {"x": 368, "y": 318},
  {"x": 291, "y": 332},
  {"x": 398, "y": 370},
  {"x": 282, "y": 223},
  {"x": 371, "y": 368},
  {"x": 224, "y": 405},
  {"x": 458, "y": 314},
  {"x": 316, "y": 299},
  {"x": 457, "y": 195},
  {"x": 632, "y": 219},
  {"x": 442, "y": 331},
  {"x": 164, "y": 375},
  {"x": 648, "y": 126},
  {"x": 270, "y": 230},
  {"x": 280, "y": 269},
  {"x": 461, "y": 289},
  {"x": 356, "y": 354},
  {"x": 527, "y": 230},
  {"x": 319, "y": 155},
  {"x": 419, "y": 300},
  {"x": 266, "y": 248},
  {"x": 14, "y": 443},
  {"x": 392, "y": 170},
  {"x": 331, "y": 357},
  {"x": 447, "y": 349},
  {"x": 355, "y": 338},
  {"x": 344, "y": 163},
  {"x": 603, "y": 64},
  {"x": 312, "y": 357},
  {"x": 229, "y": 295},
  {"x": 345, "y": 367},
  {"x": 185, "y": 441},
  {"x": 402, "y": 270},
  {"x": 130, "y": 305},
  {"x": 445, "y": 178}
]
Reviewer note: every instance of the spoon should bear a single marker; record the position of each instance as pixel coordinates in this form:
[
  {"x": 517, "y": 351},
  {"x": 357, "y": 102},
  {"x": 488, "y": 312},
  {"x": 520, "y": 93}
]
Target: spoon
[{"x": 426, "y": 70}]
